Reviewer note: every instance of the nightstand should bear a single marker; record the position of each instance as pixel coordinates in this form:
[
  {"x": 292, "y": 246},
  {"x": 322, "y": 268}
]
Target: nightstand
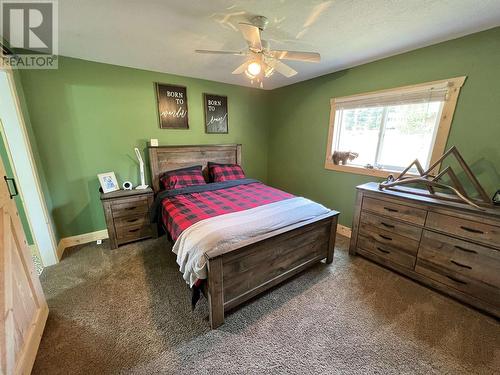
[{"x": 127, "y": 215}]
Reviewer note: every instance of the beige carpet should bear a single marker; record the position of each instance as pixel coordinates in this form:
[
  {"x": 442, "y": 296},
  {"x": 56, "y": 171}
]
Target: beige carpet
[{"x": 128, "y": 311}]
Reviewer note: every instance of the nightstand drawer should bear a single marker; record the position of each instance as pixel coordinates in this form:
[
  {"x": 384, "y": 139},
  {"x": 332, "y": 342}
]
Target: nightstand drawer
[
  {"x": 132, "y": 220},
  {"x": 395, "y": 210},
  {"x": 473, "y": 230},
  {"x": 127, "y": 215},
  {"x": 132, "y": 233},
  {"x": 129, "y": 207}
]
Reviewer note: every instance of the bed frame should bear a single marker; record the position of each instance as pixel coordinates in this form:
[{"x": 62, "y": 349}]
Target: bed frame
[{"x": 237, "y": 274}]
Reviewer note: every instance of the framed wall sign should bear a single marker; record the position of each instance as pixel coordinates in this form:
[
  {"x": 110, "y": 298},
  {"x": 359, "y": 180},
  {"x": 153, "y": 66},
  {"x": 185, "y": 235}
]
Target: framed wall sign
[
  {"x": 172, "y": 106},
  {"x": 215, "y": 113}
]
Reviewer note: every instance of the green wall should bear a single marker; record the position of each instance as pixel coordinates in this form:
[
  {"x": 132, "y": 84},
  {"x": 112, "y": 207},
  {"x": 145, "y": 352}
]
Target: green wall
[
  {"x": 87, "y": 117},
  {"x": 298, "y": 135}
]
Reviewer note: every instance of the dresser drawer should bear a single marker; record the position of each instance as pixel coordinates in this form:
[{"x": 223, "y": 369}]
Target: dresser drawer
[
  {"x": 391, "y": 225},
  {"x": 132, "y": 233},
  {"x": 461, "y": 257},
  {"x": 472, "y": 287},
  {"x": 473, "y": 230},
  {"x": 388, "y": 238},
  {"x": 386, "y": 251},
  {"x": 129, "y": 207},
  {"x": 395, "y": 210}
]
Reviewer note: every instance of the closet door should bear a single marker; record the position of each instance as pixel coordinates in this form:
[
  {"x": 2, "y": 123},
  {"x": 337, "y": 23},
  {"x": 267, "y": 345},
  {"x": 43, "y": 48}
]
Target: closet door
[{"x": 22, "y": 302}]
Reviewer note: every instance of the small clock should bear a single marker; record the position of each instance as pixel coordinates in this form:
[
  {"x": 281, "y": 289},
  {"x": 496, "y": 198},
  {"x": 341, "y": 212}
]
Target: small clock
[{"x": 127, "y": 185}]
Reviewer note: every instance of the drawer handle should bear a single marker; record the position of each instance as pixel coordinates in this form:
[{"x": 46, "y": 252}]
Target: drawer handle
[
  {"x": 464, "y": 249},
  {"x": 472, "y": 230},
  {"x": 134, "y": 230},
  {"x": 390, "y": 209},
  {"x": 385, "y": 237},
  {"x": 383, "y": 251},
  {"x": 460, "y": 264},
  {"x": 387, "y": 225},
  {"x": 132, "y": 220},
  {"x": 131, "y": 208},
  {"x": 456, "y": 280}
]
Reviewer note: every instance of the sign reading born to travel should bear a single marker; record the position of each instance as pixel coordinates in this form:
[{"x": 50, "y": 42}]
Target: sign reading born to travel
[
  {"x": 172, "y": 106},
  {"x": 215, "y": 113}
]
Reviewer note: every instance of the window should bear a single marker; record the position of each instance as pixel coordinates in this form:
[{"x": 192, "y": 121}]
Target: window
[{"x": 389, "y": 129}]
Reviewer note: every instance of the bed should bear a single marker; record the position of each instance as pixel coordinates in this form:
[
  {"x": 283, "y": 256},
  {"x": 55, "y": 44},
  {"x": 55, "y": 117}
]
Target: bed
[{"x": 244, "y": 269}]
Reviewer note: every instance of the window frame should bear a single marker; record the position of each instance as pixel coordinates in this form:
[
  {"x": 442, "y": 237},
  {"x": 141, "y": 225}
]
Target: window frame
[{"x": 441, "y": 136}]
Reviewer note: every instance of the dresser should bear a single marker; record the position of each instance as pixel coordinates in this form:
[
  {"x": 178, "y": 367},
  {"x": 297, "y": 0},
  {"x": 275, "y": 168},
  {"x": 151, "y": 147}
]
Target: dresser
[
  {"x": 448, "y": 246},
  {"x": 127, "y": 215}
]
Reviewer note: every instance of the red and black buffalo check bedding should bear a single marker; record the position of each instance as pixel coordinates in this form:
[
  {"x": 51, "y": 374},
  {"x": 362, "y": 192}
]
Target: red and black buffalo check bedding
[
  {"x": 181, "y": 211},
  {"x": 225, "y": 172},
  {"x": 180, "y": 178}
]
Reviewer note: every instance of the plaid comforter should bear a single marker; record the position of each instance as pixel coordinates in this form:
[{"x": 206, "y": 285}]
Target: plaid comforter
[{"x": 180, "y": 211}]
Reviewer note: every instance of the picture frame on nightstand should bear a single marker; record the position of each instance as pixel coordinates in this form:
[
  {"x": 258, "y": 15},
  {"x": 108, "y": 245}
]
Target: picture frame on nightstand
[{"x": 108, "y": 182}]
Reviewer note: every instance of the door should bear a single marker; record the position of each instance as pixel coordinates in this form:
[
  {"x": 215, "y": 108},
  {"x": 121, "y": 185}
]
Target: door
[{"x": 22, "y": 302}]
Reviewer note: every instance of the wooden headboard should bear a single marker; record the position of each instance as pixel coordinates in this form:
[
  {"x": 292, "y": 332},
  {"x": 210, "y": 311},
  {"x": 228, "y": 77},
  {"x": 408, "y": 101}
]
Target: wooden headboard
[{"x": 166, "y": 158}]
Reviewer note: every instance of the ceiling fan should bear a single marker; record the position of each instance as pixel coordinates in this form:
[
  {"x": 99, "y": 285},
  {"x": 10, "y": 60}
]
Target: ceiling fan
[{"x": 262, "y": 62}]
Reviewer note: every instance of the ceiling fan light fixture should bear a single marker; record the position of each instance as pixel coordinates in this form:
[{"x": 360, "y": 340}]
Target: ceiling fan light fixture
[
  {"x": 261, "y": 61},
  {"x": 254, "y": 68},
  {"x": 250, "y": 76}
]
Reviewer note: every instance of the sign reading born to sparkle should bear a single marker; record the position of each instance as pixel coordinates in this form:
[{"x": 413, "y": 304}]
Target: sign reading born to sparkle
[
  {"x": 172, "y": 106},
  {"x": 215, "y": 113}
]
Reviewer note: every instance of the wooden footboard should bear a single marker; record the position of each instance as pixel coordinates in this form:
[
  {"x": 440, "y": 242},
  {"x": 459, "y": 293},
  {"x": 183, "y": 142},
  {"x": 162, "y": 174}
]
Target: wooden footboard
[{"x": 240, "y": 273}]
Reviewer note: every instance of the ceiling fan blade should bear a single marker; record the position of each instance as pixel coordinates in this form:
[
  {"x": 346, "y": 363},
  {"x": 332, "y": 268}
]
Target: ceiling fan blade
[
  {"x": 238, "y": 53},
  {"x": 251, "y": 34},
  {"x": 281, "y": 68},
  {"x": 296, "y": 55},
  {"x": 240, "y": 69}
]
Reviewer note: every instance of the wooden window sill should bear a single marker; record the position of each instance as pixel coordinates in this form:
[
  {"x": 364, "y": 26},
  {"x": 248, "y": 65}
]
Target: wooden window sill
[{"x": 382, "y": 173}]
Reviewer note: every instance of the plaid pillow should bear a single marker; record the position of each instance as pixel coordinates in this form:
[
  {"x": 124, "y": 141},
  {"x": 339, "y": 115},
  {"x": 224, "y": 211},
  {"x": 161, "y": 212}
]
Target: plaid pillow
[
  {"x": 224, "y": 172},
  {"x": 183, "y": 177}
]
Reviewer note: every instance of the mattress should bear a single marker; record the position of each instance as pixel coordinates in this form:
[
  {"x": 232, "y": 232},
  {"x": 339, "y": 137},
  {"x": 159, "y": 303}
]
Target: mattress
[
  {"x": 226, "y": 232},
  {"x": 182, "y": 208}
]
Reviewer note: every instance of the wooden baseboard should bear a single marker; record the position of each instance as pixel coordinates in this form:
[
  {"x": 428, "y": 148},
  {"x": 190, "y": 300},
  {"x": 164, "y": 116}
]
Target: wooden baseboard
[
  {"x": 344, "y": 231},
  {"x": 103, "y": 234},
  {"x": 80, "y": 239}
]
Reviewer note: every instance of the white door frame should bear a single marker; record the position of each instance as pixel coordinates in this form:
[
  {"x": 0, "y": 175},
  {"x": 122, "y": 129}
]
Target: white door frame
[{"x": 18, "y": 145}]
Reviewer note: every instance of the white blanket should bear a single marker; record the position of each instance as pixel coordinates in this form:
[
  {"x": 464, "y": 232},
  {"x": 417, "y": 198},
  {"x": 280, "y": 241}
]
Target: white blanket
[{"x": 222, "y": 232}]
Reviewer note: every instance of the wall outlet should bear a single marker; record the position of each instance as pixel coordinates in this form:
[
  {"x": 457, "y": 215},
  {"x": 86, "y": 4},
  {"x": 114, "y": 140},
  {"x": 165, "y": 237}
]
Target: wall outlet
[
  {"x": 153, "y": 142},
  {"x": 99, "y": 242}
]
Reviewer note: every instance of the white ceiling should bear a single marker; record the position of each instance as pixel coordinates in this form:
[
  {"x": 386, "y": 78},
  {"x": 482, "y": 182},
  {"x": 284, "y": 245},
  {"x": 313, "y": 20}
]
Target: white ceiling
[{"x": 161, "y": 35}]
